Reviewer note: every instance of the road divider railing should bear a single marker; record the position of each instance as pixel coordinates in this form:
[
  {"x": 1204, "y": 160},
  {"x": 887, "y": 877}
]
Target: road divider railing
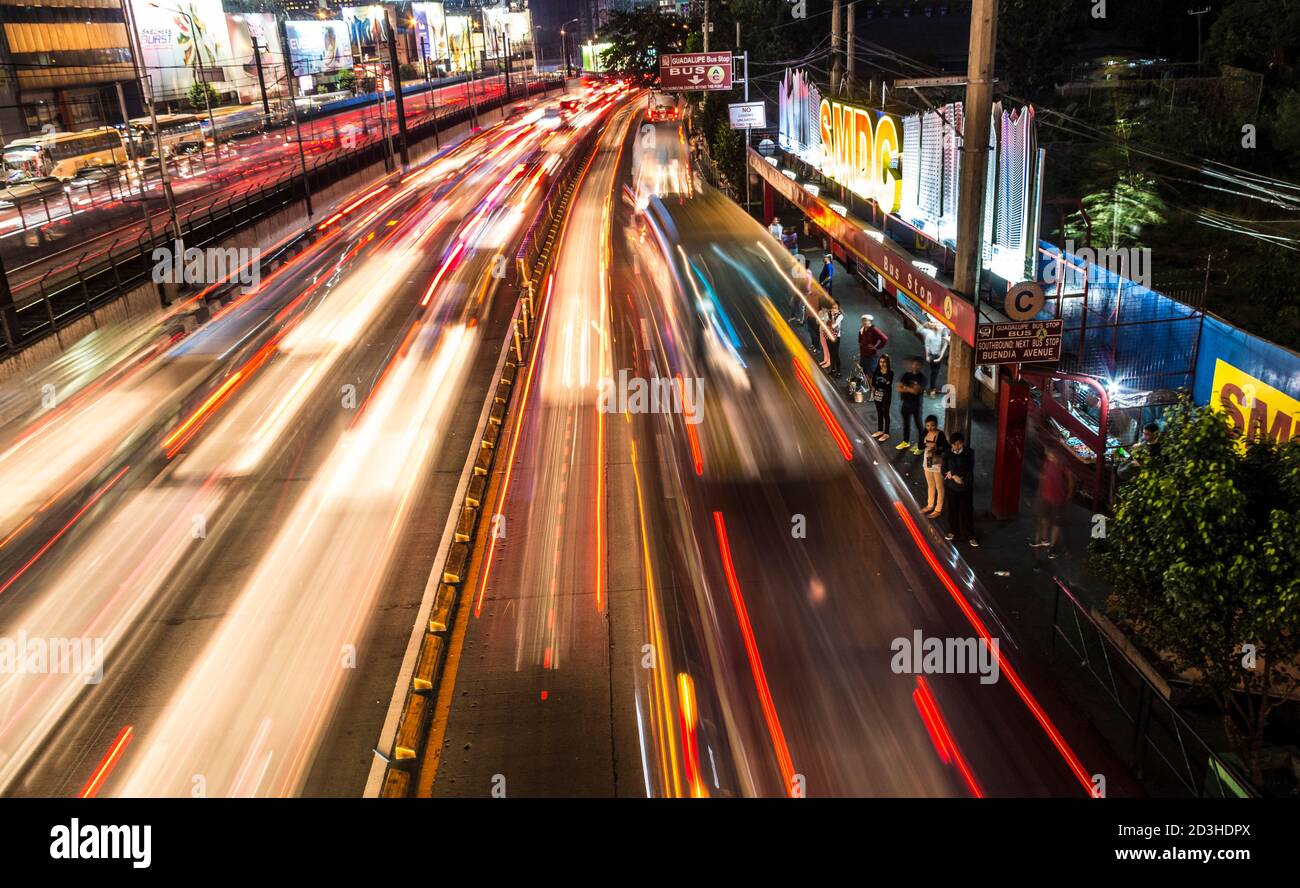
[{"x": 410, "y": 733}]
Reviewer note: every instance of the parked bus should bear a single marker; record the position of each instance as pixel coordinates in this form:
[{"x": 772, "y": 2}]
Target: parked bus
[
  {"x": 237, "y": 120},
  {"x": 62, "y": 155},
  {"x": 180, "y": 134}
]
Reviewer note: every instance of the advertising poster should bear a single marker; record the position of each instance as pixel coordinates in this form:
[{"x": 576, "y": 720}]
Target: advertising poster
[
  {"x": 183, "y": 43},
  {"x": 243, "y": 29},
  {"x": 460, "y": 38},
  {"x": 516, "y": 26},
  {"x": 318, "y": 47},
  {"x": 365, "y": 24},
  {"x": 431, "y": 19}
]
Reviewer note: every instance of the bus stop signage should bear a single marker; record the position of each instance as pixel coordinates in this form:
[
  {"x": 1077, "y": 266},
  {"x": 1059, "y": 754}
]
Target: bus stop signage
[
  {"x": 695, "y": 70},
  {"x": 1026, "y": 342}
]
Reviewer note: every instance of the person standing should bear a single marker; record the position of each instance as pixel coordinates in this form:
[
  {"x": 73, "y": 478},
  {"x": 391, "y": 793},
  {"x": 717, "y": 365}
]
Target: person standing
[
  {"x": 823, "y": 330},
  {"x": 836, "y": 325},
  {"x": 775, "y": 228},
  {"x": 791, "y": 240},
  {"x": 936, "y": 445},
  {"x": 910, "y": 389},
  {"x": 959, "y": 495},
  {"x": 871, "y": 339},
  {"x": 828, "y": 273},
  {"x": 882, "y": 393},
  {"x": 814, "y": 333},
  {"x": 936, "y": 348},
  {"x": 1055, "y": 488}
]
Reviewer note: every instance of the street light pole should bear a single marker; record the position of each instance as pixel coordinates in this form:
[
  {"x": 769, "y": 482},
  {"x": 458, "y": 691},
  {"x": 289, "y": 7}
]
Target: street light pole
[
  {"x": 198, "y": 79},
  {"x": 146, "y": 82}
]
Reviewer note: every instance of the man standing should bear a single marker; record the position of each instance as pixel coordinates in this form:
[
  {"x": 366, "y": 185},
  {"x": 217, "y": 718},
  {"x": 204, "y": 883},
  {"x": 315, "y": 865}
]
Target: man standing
[
  {"x": 959, "y": 487},
  {"x": 775, "y": 228},
  {"x": 871, "y": 339},
  {"x": 910, "y": 388},
  {"x": 936, "y": 347},
  {"x": 828, "y": 272},
  {"x": 1055, "y": 487}
]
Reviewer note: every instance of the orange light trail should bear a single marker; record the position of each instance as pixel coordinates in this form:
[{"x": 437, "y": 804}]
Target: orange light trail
[
  {"x": 1071, "y": 760},
  {"x": 941, "y": 736},
  {"x": 446, "y": 267},
  {"x": 73, "y": 520},
  {"x": 841, "y": 439},
  {"x": 755, "y": 661},
  {"x": 107, "y": 763}
]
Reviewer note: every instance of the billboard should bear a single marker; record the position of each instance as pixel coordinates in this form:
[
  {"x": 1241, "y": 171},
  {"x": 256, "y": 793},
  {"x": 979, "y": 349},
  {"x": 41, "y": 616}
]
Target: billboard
[
  {"x": 463, "y": 41},
  {"x": 593, "y": 56},
  {"x": 180, "y": 45},
  {"x": 365, "y": 24},
  {"x": 318, "y": 47},
  {"x": 515, "y": 26},
  {"x": 431, "y": 19},
  {"x": 241, "y": 70}
]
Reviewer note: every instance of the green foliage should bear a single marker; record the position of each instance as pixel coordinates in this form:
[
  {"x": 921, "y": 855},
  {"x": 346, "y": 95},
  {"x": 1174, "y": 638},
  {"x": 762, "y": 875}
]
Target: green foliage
[
  {"x": 1203, "y": 556},
  {"x": 346, "y": 79},
  {"x": 201, "y": 95},
  {"x": 1261, "y": 35},
  {"x": 636, "y": 37},
  {"x": 1119, "y": 213}
]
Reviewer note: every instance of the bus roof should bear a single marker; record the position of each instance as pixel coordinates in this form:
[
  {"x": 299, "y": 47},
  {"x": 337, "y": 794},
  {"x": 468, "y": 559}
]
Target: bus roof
[{"x": 35, "y": 141}]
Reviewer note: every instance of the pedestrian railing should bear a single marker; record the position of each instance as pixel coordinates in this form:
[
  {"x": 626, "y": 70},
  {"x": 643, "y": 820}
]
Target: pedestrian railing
[{"x": 1163, "y": 749}]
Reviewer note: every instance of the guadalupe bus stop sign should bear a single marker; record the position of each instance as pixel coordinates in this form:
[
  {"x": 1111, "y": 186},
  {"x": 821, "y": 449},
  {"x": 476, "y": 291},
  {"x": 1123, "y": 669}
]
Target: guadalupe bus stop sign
[{"x": 695, "y": 70}]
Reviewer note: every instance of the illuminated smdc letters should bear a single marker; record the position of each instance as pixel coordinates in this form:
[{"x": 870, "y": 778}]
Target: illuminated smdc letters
[{"x": 858, "y": 158}]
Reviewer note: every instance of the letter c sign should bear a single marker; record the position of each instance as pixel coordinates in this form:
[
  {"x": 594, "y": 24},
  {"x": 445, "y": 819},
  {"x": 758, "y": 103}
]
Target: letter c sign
[{"x": 1024, "y": 301}]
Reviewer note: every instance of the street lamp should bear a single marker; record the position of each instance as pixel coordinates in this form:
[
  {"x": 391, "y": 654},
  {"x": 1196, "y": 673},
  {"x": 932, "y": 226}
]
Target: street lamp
[{"x": 564, "y": 46}]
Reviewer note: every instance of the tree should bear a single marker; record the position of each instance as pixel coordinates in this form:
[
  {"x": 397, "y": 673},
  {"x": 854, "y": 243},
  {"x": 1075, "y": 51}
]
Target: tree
[
  {"x": 1119, "y": 213},
  {"x": 1203, "y": 559},
  {"x": 636, "y": 37},
  {"x": 346, "y": 80},
  {"x": 202, "y": 95},
  {"x": 1035, "y": 40}
]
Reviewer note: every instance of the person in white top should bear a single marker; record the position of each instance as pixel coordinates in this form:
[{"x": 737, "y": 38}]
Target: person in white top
[
  {"x": 836, "y": 323},
  {"x": 936, "y": 348},
  {"x": 775, "y": 228}
]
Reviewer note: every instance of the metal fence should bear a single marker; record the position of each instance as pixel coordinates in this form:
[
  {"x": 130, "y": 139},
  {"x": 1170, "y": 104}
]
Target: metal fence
[
  {"x": 1164, "y": 750},
  {"x": 69, "y": 291}
]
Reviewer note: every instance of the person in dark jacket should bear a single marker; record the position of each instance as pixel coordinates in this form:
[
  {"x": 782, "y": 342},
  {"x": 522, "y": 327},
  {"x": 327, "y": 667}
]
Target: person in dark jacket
[
  {"x": 959, "y": 488},
  {"x": 882, "y": 393},
  {"x": 827, "y": 276},
  {"x": 871, "y": 339}
]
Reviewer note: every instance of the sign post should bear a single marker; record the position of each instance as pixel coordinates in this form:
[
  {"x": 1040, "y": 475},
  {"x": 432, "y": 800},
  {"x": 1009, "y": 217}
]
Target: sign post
[
  {"x": 683, "y": 71},
  {"x": 1021, "y": 342}
]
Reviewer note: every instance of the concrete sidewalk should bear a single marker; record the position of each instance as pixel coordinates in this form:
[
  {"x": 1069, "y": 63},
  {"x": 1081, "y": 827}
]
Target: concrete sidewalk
[{"x": 1018, "y": 575}]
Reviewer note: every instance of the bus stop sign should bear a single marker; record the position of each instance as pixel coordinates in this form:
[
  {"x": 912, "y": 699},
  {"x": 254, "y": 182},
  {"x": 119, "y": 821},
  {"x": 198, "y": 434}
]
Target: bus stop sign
[{"x": 695, "y": 70}]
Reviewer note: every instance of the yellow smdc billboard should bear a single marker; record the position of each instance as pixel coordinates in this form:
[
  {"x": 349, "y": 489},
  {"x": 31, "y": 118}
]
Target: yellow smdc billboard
[{"x": 1256, "y": 409}]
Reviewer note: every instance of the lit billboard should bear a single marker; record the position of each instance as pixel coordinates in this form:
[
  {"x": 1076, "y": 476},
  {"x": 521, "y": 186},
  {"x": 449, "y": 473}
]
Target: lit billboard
[
  {"x": 182, "y": 44},
  {"x": 241, "y": 70},
  {"x": 318, "y": 47},
  {"x": 431, "y": 20}
]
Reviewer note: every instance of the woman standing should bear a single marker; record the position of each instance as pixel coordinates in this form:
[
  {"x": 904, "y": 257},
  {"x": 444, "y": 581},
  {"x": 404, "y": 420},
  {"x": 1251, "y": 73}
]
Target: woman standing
[
  {"x": 882, "y": 392},
  {"x": 836, "y": 324},
  {"x": 935, "y": 443},
  {"x": 825, "y": 315}
]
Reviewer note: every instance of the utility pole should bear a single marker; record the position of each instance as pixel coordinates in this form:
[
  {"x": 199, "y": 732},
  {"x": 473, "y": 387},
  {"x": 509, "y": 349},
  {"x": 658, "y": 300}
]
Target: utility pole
[
  {"x": 708, "y": 26},
  {"x": 293, "y": 111},
  {"x": 505, "y": 60},
  {"x": 1198, "y": 14},
  {"x": 132, "y": 159},
  {"x": 850, "y": 48},
  {"x": 837, "y": 47},
  {"x": 390, "y": 33},
  {"x": 976, "y": 112},
  {"x": 146, "y": 83},
  {"x": 261, "y": 82}
]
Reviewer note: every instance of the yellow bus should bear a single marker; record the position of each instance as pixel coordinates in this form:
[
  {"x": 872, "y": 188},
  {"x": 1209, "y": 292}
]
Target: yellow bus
[{"x": 62, "y": 155}]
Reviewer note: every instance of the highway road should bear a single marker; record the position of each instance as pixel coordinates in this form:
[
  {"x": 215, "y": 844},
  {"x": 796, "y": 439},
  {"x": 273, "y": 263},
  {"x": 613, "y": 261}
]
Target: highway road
[
  {"x": 711, "y": 594},
  {"x": 241, "y": 519},
  {"x": 84, "y": 223}
]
